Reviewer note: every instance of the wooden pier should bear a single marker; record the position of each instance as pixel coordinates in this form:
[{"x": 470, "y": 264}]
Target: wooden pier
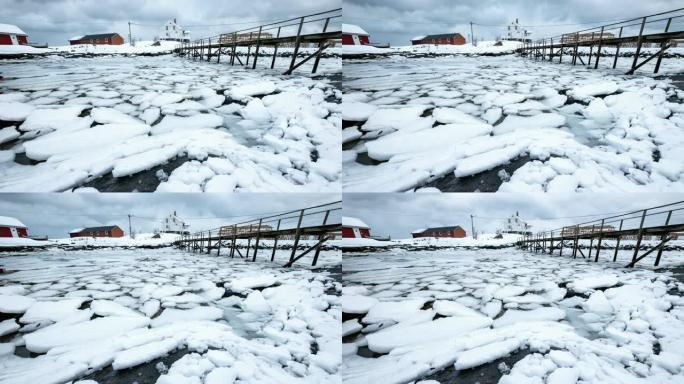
[
  {"x": 662, "y": 33},
  {"x": 655, "y": 222},
  {"x": 312, "y": 222},
  {"x": 267, "y": 35}
]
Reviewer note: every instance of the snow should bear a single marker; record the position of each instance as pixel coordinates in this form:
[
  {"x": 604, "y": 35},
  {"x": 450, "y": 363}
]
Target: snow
[
  {"x": 11, "y": 29},
  {"x": 482, "y": 47},
  {"x": 486, "y": 353},
  {"x": 221, "y": 338},
  {"x": 563, "y": 376},
  {"x": 353, "y": 29},
  {"x": 515, "y": 316},
  {"x": 7, "y": 221},
  {"x": 15, "y": 303},
  {"x": 354, "y": 111},
  {"x": 353, "y": 222},
  {"x": 357, "y": 304},
  {"x": 275, "y": 133}
]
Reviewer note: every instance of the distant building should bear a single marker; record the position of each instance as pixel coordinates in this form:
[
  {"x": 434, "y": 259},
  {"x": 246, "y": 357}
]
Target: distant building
[
  {"x": 12, "y": 35},
  {"x": 442, "y": 39},
  {"x": 354, "y": 228},
  {"x": 173, "y": 224},
  {"x": 99, "y": 39},
  {"x": 455, "y": 231},
  {"x": 354, "y": 35},
  {"x": 172, "y": 31},
  {"x": 11, "y": 227},
  {"x": 515, "y": 32},
  {"x": 572, "y": 38},
  {"x": 105, "y": 231},
  {"x": 227, "y": 38},
  {"x": 587, "y": 229},
  {"x": 516, "y": 225}
]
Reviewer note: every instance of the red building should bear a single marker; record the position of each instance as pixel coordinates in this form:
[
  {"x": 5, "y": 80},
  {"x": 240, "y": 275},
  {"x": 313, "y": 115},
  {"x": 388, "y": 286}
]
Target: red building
[
  {"x": 454, "y": 231},
  {"x": 106, "y": 231},
  {"x": 11, "y": 227},
  {"x": 100, "y": 39},
  {"x": 443, "y": 39},
  {"x": 12, "y": 35},
  {"x": 354, "y": 35},
  {"x": 354, "y": 228}
]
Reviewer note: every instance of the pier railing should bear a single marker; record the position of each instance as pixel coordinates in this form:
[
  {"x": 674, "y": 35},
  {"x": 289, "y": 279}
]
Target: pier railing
[
  {"x": 662, "y": 29},
  {"x": 321, "y": 222},
  {"x": 289, "y": 32},
  {"x": 664, "y": 223}
]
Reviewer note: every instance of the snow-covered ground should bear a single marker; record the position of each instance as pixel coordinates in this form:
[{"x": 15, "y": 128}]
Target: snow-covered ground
[
  {"x": 504, "y": 123},
  {"x": 72, "y": 122},
  {"x": 141, "y": 47},
  {"x": 483, "y": 47},
  {"x": 82, "y": 312},
  {"x": 446, "y": 313},
  {"x": 483, "y": 240}
]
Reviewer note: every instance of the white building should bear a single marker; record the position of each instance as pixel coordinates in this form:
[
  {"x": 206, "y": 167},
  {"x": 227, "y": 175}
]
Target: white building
[
  {"x": 174, "y": 32},
  {"x": 173, "y": 224},
  {"x": 515, "y": 224},
  {"x": 516, "y": 32}
]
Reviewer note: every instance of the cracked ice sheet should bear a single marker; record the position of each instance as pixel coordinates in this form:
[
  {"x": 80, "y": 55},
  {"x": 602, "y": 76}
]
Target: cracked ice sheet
[
  {"x": 614, "y": 132},
  {"x": 503, "y": 300},
  {"x": 141, "y": 306},
  {"x": 241, "y": 130}
]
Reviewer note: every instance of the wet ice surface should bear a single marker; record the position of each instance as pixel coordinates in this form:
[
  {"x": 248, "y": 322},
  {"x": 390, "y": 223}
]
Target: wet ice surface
[
  {"x": 66, "y": 123},
  {"x": 113, "y": 315},
  {"x": 432, "y": 314},
  {"x": 431, "y": 121}
]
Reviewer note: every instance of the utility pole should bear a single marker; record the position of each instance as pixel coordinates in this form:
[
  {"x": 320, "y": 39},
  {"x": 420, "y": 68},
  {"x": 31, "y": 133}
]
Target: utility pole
[
  {"x": 130, "y": 39},
  {"x": 130, "y": 232},
  {"x": 472, "y": 37},
  {"x": 472, "y": 227}
]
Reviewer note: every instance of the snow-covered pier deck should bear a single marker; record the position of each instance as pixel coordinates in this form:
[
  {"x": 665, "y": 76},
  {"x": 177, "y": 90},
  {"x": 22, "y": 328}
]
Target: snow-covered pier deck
[
  {"x": 546, "y": 49},
  {"x": 227, "y": 43},
  {"x": 660, "y": 224},
  {"x": 315, "y": 221}
]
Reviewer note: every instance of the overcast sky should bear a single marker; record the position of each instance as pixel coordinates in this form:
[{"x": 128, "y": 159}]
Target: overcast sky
[
  {"x": 55, "y": 214},
  {"x": 397, "y": 21},
  {"x": 400, "y": 214},
  {"x": 55, "y": 21}
]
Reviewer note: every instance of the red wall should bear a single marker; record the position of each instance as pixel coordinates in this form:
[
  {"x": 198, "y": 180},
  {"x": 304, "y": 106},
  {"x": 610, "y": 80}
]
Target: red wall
[
  {"x": 455, "y": 233},
  {"x": 454, "y": 40},
  {"x": 6, "y": 232},
  {"x": 22, "y": 40},
  {"x": 348, "y": 40},
  {"x": 5, "y": 39},
  {"x": 348, "y": 232},
  {"x": 115, "y": 232}
]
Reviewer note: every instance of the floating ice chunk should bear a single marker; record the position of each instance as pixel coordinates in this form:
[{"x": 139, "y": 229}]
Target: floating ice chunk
[
  {"x": 8, "y": 326},
  {"x": 563, "y": 358},
  {"x": 110, "y": 115},
  {"x": 487, "y": 160},
  {"x": 51, "y": 310},
  {"x": 672, "y": 169},
  {"x": 563, "y": 376},
  {"x": 357, "y": 304},
  {"x": 99, "y": 136},
  {"x": 15, "y": 303},
  {"x": 8, "y": 134},
  {"x": 200, "y": 120},
  {"x": 143, "y": 353},
  {"x": 150, "y": 115},
  {"x": 172, "y": 315},
  {"x": 144, "y": 160},
  {"x": 561, "y": 165},
  {"x": 256, "y": 303},
  {"x": 562, "y": 184},
  {"x": 597, "y": 110},
  {"x": 251, "y": 88},
  {"x": 102, "y": 94},
  {"x": 595, "y": 88},
  {"x": 151, "y": 307},
  {"x": 221, "y": 184},
  {"x": 508, "y": 98},
  {"x": 111, "y": 308},
  {"x": 598, "y": 303},
  {"x": 13, "y": 97},
  {"x": 485, "y": 354},
  {"x": 509, "y": 291},
  {"x": 256, "y": 281},
  {"x": 52, "y": 336},
  {"x": 354, "y": 111},
  {"x": 542, "y": 120},
  {"x": 453, "y": 115},
  {"x": 12, "y": 111},
  {"x": 492, "y": 308},
  {"x": 221, "y": 375},
  {"x": 395, "y": 311},
  {"x": 584, "y": 284},
  {"x": 166, "y": 98},
  {"x": 349, "y": 327},
  {"x": 512, "y": 316},
  {"x": 672, "y": 362},
  {"x": 437, "y": 330},
  {"x": 452, "y": 308},
  {"x": 220, "y": 358},
  {"x": 255, "y": 110},
  {"x": 394, "y": 119},
  {"x": 51, "y": 119},
  {"x": 492, "y": 115}
]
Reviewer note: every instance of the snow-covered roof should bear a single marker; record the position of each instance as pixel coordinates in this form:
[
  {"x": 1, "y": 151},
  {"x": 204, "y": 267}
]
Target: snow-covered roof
[
  {"x": 353, "y": 29},
  {"x": 10, "y": 28},
  {"x": 419, "y": 230},
  {"x": 7, "y": 221},
  {"x": 418, "y": 38},
  {"x": 353, "y": 222},
  {"x": 76, "y": 38},
  {"x": 76, "y": 230}
]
